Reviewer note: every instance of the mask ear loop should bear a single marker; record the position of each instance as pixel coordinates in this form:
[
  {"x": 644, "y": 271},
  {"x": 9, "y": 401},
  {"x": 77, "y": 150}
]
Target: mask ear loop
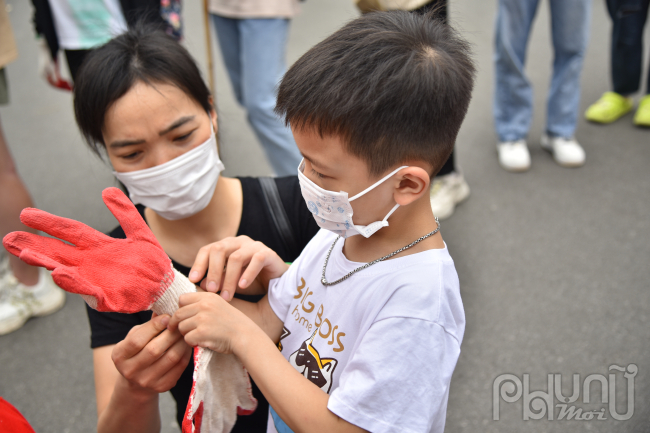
[
  {"x": 384, "y": 222},
  {"x": 379, "y": 182}
]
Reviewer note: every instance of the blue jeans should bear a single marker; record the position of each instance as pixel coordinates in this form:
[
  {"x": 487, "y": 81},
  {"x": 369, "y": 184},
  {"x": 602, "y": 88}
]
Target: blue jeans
[
  {"x": 254, "y": 54},
  {"x": 513, "y": 101},
  {"x": 628, "y": 19}
]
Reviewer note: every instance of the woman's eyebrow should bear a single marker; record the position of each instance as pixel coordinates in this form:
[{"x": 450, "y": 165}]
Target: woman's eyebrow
[
  {"x": 176, "y": 124},
  {"x": 124, "y": 143}
]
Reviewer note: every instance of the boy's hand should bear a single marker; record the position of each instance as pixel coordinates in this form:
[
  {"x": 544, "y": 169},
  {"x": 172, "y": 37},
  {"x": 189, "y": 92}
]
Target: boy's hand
[
  {"x": 207, "y": 320},
  {"x": 237, "y": 263}
]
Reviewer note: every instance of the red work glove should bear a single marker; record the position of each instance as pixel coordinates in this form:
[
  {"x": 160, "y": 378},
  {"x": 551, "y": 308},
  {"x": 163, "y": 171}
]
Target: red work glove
[
  {"x": 119, "y": 275},
  {"x": 127, "y": 276}
]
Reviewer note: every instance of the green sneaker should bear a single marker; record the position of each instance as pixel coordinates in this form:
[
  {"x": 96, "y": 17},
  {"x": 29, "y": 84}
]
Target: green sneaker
[
  {"x": 610, "y": 107},
  {"x": 642, "y": 116}
]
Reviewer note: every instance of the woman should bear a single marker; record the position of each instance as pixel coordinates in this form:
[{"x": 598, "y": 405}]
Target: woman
[{"x": 140, "y": 100}]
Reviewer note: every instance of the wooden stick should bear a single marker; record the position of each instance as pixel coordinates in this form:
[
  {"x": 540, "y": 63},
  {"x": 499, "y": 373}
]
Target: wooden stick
[{"x": 208, "y": 44}]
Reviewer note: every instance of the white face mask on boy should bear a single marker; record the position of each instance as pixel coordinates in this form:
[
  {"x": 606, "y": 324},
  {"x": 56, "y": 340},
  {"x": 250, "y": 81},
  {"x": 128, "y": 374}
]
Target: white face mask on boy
[
  {"x": 333, "y": 211},
  {"x": 178, "y": 188}
]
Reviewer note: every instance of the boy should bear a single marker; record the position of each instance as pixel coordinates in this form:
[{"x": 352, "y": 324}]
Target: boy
[{"x": 375, "y": 110}]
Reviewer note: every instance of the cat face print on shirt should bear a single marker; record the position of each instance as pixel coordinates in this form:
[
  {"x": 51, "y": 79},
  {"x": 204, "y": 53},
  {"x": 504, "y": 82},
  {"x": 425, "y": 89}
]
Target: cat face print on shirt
[{"x": 309, "y": 363}]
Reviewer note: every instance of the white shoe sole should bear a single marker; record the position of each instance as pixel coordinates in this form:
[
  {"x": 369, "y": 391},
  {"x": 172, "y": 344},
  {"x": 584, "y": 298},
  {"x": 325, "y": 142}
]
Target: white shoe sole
[
  {"x": 513, "y": 168},
  {"x": 463, "y": 193},
  {"x": 520, "y": 169},
  {"x": 9, "y": 326},
  {"x": 544, "y": 144},
  {"x": 51, "y": 304}
]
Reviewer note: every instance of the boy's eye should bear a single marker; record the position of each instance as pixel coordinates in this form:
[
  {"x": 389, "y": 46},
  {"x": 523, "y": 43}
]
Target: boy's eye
[{"x": 320, "y": 176}]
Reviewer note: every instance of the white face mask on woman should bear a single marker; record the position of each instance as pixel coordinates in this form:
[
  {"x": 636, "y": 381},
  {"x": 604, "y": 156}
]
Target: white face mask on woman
[
  {"x": 333, "y": 211},
  {"x": 178, "y": 188}
]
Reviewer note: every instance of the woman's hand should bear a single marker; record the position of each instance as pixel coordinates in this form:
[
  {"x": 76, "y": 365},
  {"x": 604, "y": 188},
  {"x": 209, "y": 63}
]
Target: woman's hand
[
  {"x": 237, "y": 263},
  {"x": 151, "y": 357}
]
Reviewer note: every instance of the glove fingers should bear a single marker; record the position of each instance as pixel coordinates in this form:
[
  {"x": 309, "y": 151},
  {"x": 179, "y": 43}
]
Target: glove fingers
[
  {"x": 36, "y": 259},
  {"x": 70, "y": 281},
  {"x": 130, "y": 219},
  {"x": 64, "y": 228},
  {"x": 54, "y": 250}
]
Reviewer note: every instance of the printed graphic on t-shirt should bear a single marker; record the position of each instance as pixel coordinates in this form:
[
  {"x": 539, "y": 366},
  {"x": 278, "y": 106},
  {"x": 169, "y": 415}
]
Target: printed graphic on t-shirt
[
  {"x": 285, "y": 334},
  {"x": 308, "y": 362}
]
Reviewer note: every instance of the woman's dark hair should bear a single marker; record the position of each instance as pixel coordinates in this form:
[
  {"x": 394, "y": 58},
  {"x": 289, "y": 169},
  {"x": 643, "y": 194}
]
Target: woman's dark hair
[
  {"x": 144, "y": 53},
  {"x": 395, "y": 86}
]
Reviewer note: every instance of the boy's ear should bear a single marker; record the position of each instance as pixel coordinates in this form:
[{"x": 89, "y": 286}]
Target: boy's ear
[{"x": 413, "y": 182}]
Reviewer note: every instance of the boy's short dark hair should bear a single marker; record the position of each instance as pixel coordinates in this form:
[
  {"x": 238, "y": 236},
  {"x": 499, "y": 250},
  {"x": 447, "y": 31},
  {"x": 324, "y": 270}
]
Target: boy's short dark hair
[
  {"x": 394, "y": 85},
  {"x": 144, "y": 53}
]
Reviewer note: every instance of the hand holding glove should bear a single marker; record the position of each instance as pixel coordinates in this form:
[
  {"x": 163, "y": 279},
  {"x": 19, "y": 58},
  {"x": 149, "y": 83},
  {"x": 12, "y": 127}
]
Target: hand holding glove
[{"x": 127, "y": 276}]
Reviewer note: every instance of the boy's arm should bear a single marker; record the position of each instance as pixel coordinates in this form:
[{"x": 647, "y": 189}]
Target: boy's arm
[
  {"x": 262, "y": 315},
  {"x": 251, "y": 332},
  {"x": 299, "y": 402}
]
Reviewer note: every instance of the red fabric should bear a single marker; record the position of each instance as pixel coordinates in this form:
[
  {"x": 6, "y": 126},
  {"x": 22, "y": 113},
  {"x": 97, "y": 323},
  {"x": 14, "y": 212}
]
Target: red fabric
[
  {"x": 118, "y": 275},
  {"x": 11, "y": 420},
  {"x": 55, "y": 79},
  {"x": 193, "y": 424},
  {"x": 60, "y": 83}
]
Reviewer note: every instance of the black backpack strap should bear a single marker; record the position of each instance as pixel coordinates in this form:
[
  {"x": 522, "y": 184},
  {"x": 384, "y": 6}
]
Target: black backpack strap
[{"x": 278, "y": 214}]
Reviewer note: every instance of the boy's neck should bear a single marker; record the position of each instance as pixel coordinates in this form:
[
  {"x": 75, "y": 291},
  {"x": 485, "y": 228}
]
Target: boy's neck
[{"x": 406, "y": 224}]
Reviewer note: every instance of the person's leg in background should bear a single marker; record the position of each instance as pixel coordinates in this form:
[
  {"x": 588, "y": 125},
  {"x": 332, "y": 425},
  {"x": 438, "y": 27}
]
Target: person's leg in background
[
  {"x": 25, "y": 291},
  {"x": 570, "y": 29},
  {"x": 626, "y": 56},
  {"x": 14, "y": 198},
  {"x": 639, "y": 17},
  {"x": 254, "y": 54},
  {"x": 513, "y": 99},
  {"x": 227, "y": 30},
  {"x": 75, "y": 58}
]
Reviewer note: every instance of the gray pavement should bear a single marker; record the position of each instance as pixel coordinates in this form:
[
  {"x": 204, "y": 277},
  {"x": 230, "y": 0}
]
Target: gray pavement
[{"x": 553, "y": 263}]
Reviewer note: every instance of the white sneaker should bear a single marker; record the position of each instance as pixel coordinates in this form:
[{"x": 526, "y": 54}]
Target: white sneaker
[
  {"x": 446, "y": 192},
  {"x": 19, "y": 302},
  {"x": 566, "y": 151},
  {"x": 514, "y": 155}
]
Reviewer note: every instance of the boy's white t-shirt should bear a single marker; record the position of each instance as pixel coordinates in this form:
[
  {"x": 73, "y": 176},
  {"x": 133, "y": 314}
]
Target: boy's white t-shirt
[{"x": 383, "y": 343}]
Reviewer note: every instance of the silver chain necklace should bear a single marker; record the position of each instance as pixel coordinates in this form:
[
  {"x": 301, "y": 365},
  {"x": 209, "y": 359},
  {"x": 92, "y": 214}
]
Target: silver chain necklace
[{"x": 349, "y": 274}]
